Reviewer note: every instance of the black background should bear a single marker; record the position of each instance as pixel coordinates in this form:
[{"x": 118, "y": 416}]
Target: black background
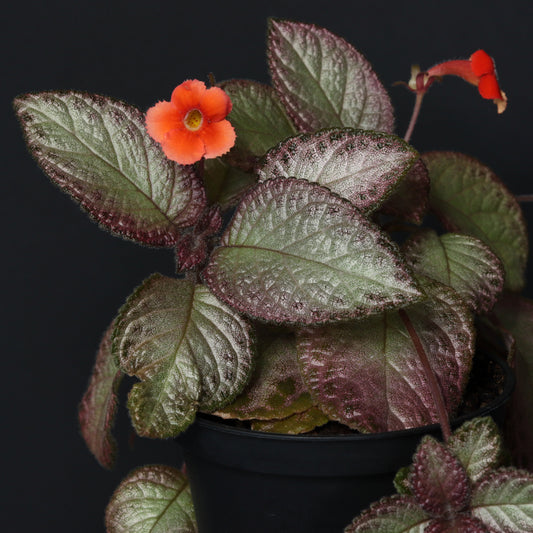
[{"x": 64, "y": 279}]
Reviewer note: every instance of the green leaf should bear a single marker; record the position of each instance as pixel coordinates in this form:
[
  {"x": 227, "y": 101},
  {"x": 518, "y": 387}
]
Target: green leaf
[
  {"x": 323, "y": 81},
  {"x": 189, "y": 350},
  {"x": 296, "y": 253},
  {"x": 294, "y": 424},
  {"x": 461, "y": 262},
  {"x": 363, "y": 167},
  {"x": 152, "y": 499},
  {"x": 224, "y": 183},
  {"x": 97, "y": 150},
  {"x": 276, "y": 389},
  {"x": 98, "y": 406},
  {"x": 394, "y": 514},
  {"x": 503, "y": 500},
  {"x": 344, "y": 365},
  {"x": 478, "y": 445},
  {"x": 470, "y": 198},
  {"x": 257, "y": 115}
]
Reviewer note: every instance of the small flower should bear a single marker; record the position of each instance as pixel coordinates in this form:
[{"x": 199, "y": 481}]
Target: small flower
[
  {"x": 192, "y": 125},
  {"x": 479, "y": 70}
]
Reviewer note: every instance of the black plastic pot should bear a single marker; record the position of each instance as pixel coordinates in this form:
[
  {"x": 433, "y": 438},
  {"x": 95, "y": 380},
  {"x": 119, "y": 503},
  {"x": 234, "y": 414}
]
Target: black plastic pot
[{"x": 245, "y": 481}]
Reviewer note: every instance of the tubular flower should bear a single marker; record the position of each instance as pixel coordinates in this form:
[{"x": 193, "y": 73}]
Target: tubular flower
[
  {"x": 479, "y": 70},
  {"x": 192, "y": 125}
]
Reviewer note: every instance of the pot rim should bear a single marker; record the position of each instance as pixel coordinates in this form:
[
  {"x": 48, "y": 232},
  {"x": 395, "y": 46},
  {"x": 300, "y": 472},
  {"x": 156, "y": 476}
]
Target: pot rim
[{"x": 217, "y": 424}]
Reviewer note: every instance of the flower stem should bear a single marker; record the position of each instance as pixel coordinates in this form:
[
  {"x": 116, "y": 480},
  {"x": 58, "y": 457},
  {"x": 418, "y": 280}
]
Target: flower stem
[
  {"x": 430, "y": 375},
  {"x": 414, "y": 116},
  {"x": 524, "y": 198}
]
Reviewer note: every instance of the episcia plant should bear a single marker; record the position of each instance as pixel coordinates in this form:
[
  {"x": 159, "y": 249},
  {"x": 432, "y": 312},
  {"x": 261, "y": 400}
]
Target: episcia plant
[{"x": 307, "y": 288}]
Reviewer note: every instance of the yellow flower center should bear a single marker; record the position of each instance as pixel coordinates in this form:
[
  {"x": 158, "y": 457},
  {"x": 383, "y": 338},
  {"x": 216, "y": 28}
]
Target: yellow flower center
[{"x": 193, "y": 120}]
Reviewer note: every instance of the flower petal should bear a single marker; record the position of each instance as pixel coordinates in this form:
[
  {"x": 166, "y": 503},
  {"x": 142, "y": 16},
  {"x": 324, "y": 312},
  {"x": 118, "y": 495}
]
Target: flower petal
[
  {"x": 481, "y": 63},
  {"x": 489, "y": 88},
  {"x": 187, "y": 95},
  {"x": 183, "y": 146},
  {"x": 160, "y": 119},
  {"x": 215, "y": 104},
  {"x": 218, "y": 137}
]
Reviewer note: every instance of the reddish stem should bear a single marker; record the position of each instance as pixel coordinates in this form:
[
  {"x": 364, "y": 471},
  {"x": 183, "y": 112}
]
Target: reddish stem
[
  {"x": 414, "y": 116},
  {"x": 430, "y": 376}
]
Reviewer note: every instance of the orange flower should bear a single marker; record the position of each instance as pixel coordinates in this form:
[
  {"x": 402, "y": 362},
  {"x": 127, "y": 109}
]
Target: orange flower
[
  {"x": 479, "y": 70},
  {"x": 192, "y": 125}
]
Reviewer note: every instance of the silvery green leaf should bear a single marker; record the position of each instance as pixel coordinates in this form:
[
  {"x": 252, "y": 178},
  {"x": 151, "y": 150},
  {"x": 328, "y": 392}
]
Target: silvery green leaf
[{"x": 98, "y": 151}]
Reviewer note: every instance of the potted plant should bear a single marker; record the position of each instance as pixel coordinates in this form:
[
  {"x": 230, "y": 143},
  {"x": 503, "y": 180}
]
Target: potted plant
[{"x": 307, "y": 294}]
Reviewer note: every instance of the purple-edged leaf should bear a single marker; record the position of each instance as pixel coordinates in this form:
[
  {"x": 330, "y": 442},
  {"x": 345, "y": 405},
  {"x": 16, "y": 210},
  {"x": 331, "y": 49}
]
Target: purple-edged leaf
[
  {"x": 394, "y": 514},
  {"x": 296, "y": 253},
  {"x": 152, "y": 499},
  {"x": 439, "y": 481},
  {"x": 323, "y": 81},
  {"x": 257, "y": 115},
  {"x": 98, "y": 406},
  {"x": 194, "y": 243},
  {"x": 361, "y": 166},
  {"x": 515, "y": 313},
  {"x": 503, "y": 500},
  {"x": 189, "y": 350},
  {"x": 345, "y": 365},
  {"x": 410, "y": 200},
  {"x": 470, "y": 198},
  {"x": 97, "y": 150},
  {"x": 294, "y": 424},
  {"x": 458, "y": 524},
  {"x": 276, "y": 389},
  {"x": 460, "y": 261},
  {"x": 225, "y": 184},
  {"x": 478, "y": 445}
]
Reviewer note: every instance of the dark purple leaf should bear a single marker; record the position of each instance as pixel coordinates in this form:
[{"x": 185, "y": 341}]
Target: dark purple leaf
[{"x": 458, "y": 524}]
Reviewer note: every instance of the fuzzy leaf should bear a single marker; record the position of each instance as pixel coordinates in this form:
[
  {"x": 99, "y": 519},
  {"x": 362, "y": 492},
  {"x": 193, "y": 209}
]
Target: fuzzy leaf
[
  {"x": 470, "y": 198},
  {"x": 294, "y": 424},
  {"x": 410, "y": 200},
  {"x": 345, "y": 365},
  {"x": 296, "y": 253},
  {"x": 189, "y": 350},
  {"x": 439, "y": 481},
  {"x": 323, "y": 81},
  {"x": 276, "y": 389},
  {"x": 97, "y": 150},
  {"x": 257, "y": 115},
  {"x": 462, "y": 262},
  {"x": 478, "y": 445},
  {"x": 503, "y": 500},
  {"x": 152, "y": 499},
  {"x": 458, "y": 524},
  {"x": 363, "y": 167},
  {"x": 98, "y": 406},
  {"x": 515, "y": 313},
  {"x": 394, "y": 514},
  {"x": 225, "y": 184}
]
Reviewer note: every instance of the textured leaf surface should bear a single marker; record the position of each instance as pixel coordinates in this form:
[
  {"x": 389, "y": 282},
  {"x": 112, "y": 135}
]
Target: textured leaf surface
[
  {"x": 323, "y": 81},
  {"x": 98, "y": 406},
  {"x": 362, "y": 167},
  {"x": 504, "y": 501},
  {"x": 294, "y": 424},
  {"x": 97, "y": 150},
  {"x": 410, "y": 200},
  {"x": 395, "y": 514},
  {"x": 152, "y": 499},
  {"x": 257, "y": 115},
  {"x": 439, "y": 481},
  {"x": 189, "y": 350},
  {"x": 478, "y": 445},
  {"x": 345, "y": 365},
  {"x": 470, "y": 198},
  {"x": 515, "y": 313},
  {"x": 460, "y": 261},
  {"x": 458, "y": 524},
  {"x": 276, "y": 389},
  {"x": 294, "y": 252}
]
